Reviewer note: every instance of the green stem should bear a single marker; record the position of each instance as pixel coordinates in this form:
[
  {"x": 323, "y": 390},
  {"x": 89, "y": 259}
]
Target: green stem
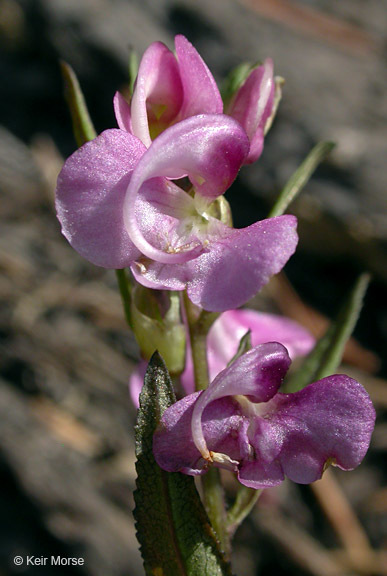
[
  {"x": 216, "y": 508},
  {"x": 124, "y": 286},
  {"x": 199, "y": 322},
  {"x": 244, "y": 502}
]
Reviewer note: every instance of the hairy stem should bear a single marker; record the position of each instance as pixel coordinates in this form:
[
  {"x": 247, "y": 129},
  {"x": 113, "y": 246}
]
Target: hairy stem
[{"x": 216, "y": 507}]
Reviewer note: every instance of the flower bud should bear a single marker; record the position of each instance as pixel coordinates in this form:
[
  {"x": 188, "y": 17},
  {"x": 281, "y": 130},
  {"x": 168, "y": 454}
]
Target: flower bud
[{"x": 157, "y": 325}]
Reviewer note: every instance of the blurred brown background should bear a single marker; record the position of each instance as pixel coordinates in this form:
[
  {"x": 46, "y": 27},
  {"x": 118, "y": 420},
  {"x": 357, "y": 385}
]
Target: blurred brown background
[{"x": 66, "y": 424}]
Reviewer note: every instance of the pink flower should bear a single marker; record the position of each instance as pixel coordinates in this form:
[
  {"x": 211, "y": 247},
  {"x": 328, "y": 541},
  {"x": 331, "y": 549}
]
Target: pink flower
[
  {"x": 119, "y": 207},
  {"x": 172, "y": 88},
  {"x": 242, "y": 423}
]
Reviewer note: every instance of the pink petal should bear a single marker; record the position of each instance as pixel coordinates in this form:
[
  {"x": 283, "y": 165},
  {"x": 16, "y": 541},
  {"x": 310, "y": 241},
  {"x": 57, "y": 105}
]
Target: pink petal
[
  {"x": 239, "y": 264},
  {"x": 265, "y": 328},
  {"x": 122, "y": 112},
  {"x": 252, "y": 106},
  {"x": 158, "y": 93},
  {"x": 332, "y": 419},
  {"x": 173, "y": 445},
  {"x": 90, "y": 196},
  {"x": 136, "y": 382},
  {"x": 201, "y": 94},
  {"x": 159, "y": 276},
  {"x": 258, "y": 474}
]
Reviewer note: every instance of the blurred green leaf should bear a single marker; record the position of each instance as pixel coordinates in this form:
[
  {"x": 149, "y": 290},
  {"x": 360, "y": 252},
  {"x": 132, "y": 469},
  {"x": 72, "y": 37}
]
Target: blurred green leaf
[
  {"x": 245, "y": 501},
  {"x": 243, "y": 347},
  {"x": 326, "y": 356},
  {"x": 173, "y": 529},
  {"x": 300, "y": 177},
  {"x": 83, "y": 128},
  {"x": 235, "y": 80},
  {"x": 133, "y": 70}
]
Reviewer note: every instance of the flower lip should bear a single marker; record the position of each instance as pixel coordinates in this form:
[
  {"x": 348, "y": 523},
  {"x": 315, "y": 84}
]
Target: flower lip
[
  {"x": 294, "y": 435},
  {"x": 210, "y": 149}
]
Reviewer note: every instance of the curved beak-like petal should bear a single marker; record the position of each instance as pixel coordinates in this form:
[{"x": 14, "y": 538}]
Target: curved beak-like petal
[
  {"x": 209, "y": 149},
  {"x": 257, "y": 375}
]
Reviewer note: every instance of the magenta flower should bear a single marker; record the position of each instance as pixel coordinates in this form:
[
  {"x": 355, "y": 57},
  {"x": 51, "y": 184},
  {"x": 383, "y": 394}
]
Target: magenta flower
[
  {"x": 119, "y": 207},
  {"x": 242, "y": 423},
  {"x": 172, "y": 88},
  {"x": 223, "y": 341}
]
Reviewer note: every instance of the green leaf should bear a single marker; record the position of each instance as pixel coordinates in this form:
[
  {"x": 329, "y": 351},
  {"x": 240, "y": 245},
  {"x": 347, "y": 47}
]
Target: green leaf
[
  {"x": 326, "y": 356},
  {"x": 300, "y": 177},
  {"x": 235, "y": 79},
  {"x": 173, "y": 529},
  {"x": 83, "y": 128},
  {"x": 133, "y": 70}
]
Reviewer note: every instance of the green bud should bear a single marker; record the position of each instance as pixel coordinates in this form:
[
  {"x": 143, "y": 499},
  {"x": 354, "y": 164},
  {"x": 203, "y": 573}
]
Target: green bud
[{"x": 157, "y": 325}]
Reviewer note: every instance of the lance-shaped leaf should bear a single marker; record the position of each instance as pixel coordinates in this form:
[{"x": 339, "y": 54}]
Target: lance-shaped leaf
[
  {"x": 83, "y": 128},
  {"x": 173, "y": 529},
  {"x": 326, "y": 355},
  {"x": 300, "y": 177}
]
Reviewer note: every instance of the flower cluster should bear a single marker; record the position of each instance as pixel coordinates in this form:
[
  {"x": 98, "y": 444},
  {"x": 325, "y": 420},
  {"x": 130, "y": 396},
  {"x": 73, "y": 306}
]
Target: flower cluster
[
  {"x": 150, "y": 196},
  {"x": 119, "y": 204}
]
